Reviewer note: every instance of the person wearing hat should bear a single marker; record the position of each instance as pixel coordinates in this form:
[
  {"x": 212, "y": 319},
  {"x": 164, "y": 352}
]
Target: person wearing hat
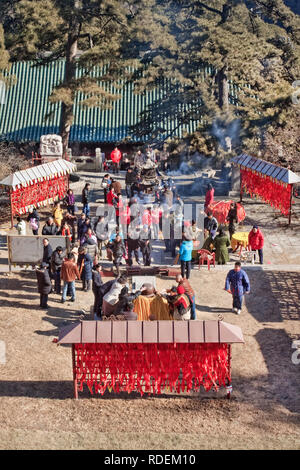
[
  {"x": 189, "y": 292},
  {"x": 181, "y": 303},
  {"x": 256, "y": 242},
  {"x": 44, "y": 284},
  {"x": 185, "y": 256}
]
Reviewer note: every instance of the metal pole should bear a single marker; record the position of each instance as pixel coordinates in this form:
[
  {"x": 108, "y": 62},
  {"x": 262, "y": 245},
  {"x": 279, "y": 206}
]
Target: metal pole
[{"x": 291, "y": 198}]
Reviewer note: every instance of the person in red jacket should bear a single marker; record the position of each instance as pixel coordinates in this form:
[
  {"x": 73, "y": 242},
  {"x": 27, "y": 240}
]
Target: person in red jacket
[
  {"x": 209, "y": 196},
  {"x": 111, "y": 197},
  {"x": 256, "y": 242},
  {"x": 115, "y": 158}
]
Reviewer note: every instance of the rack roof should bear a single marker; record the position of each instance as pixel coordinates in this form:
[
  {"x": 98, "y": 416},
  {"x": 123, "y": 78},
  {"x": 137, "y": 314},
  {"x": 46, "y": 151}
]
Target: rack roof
[
  {"x": 167, "y": 331},
  {"x": 269, "y": 169},
  {"x": 36, "y": 173}
]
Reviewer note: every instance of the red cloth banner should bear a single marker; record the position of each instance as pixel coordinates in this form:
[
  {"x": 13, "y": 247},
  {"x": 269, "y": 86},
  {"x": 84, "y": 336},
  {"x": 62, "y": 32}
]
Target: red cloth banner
[
  {"x": 271, "y": 191},
  {"x": 38, "y": 194},
  {"x": 152, "y": 368}
]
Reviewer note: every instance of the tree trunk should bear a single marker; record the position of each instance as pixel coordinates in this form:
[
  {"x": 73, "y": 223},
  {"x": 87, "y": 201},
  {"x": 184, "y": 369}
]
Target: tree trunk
[
  {"x": 67, "y": 115},
  {"x": 223, "y": 91},
  {"x": 65, "y": 125}
]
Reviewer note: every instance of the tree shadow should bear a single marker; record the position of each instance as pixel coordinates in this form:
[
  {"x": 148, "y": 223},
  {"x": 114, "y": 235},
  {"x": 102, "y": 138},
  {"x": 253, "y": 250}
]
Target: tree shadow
[
  {"x": 11, "y": 283},
  {"x": 275, "y": 296},
  {"x": 282, "y": 383}
]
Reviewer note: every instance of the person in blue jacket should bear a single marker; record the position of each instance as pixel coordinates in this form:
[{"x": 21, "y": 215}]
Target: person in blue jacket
[
  {"x": 85, "y": 265},
  {"x": 185, "y": 256},
  {"x": 237, "y": 283}
]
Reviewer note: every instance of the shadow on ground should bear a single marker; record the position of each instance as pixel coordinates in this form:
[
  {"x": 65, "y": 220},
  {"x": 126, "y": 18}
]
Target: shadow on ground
[{"x": 275, "y": 296}]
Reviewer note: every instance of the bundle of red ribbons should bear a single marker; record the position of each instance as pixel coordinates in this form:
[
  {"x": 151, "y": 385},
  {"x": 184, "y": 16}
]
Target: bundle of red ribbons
[
  {"x": 36, "y": 193},
  {"x": 151, "y": 368},
  {"x": 277, "y": 194},
  {"x": 220, "y": 210}
]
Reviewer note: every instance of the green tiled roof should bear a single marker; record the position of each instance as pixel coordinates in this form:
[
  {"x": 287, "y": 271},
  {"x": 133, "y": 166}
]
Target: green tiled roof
[{"x": 24, "y": 106}]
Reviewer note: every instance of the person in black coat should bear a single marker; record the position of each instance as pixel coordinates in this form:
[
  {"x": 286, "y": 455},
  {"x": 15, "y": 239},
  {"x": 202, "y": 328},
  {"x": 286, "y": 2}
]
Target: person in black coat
[
  {"x": 80, "y": 225},
  {"x": 50, "y": 228},
  {"x": 118, "y": 250},
  {"x": 133, "y": 246},
  {"x": 85, "y": 265},
  {"x": 97, "y": 283},
  {"x": 130, "y": 179},
  {"x": 232, "y": 218},
  {"x": 86, "y": 199},
  {"x": 145, "y": 245},
  {"x": 210, "y": 226},
  {"x": 44, "y": 284},
  {"x": 47, "y": 253},
  {"x": 57, "y": 259}
]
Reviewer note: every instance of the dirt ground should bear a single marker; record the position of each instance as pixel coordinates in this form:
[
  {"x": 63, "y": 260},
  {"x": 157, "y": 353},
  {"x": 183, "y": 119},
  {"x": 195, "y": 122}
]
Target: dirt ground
[{"x": 37, "y": 410}]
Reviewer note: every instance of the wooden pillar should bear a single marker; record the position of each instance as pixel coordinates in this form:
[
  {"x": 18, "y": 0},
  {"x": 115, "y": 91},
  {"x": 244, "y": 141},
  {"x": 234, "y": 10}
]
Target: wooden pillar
[
  {"x": 241, "y": 187},
  {"x": 291, "y": 198},
  {"x": 74, "y": 373},
  {"x": 229, "y": 390},
  {"x": 11, "y": 209},
  {"x": 9, "y": 253}
]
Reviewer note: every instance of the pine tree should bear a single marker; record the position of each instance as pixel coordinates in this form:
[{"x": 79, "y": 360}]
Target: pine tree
[
  {"x": 89, "y": 35},
  {"x": 4, "y": 55},
  {"x": 232, "y": 60}
]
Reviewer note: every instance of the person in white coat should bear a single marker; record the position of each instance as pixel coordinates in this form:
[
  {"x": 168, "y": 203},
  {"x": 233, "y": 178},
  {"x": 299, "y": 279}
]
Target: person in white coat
[{"x": 21, "y": 226}]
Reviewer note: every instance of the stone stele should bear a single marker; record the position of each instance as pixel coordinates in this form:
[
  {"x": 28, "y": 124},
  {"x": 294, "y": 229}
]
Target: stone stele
[{"x": 51, "y": 145}]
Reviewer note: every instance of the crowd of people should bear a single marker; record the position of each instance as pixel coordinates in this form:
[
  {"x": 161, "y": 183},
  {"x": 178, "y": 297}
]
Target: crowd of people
[{"x": 126, "y": 230}]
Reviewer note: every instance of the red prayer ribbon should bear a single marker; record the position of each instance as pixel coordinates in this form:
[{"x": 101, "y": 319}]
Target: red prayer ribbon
[
  {"x": 275, "y": 193},
  {"x": 36, "y": 193},
  {"x": 220, "y": 210},
  {"x": 151, "y": 368}
]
